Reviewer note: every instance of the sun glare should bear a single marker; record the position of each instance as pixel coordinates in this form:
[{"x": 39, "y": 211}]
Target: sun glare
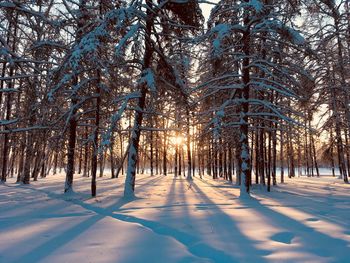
[{"x": 178, "y": 140}]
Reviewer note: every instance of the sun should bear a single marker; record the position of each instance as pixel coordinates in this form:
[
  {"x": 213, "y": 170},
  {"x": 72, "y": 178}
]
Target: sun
[{"x": 178, "y": 140}]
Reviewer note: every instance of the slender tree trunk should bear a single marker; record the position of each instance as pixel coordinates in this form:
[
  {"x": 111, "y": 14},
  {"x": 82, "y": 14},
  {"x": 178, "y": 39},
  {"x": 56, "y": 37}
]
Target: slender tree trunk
[
  {"x": 299, "y": 155},
  {"x": 55, "y": 161},
  {"x": 282, "y": 157},
  {"x": 194, "y": 151},
  {"x": 111, "y": 150},
  {"x": 121, "y": 164},
  {"x": 71, "y": 147},
  {"x": 244, "y": 142},
  {"x": 157, "y": 154},
  {"x": 332, "y": 152},
  {"x": 180, "y": 160},
  {"x": 274, "y": 155},
  {"x": 230, "y": 160},
  {"x": 103, "y": 156},
  {"x": 269, "y": 162},
  {"x": 257, "y": 155},
  {"x": 151, "y": 152},
  {"x": 214, "y": 158},
  {"x": 95, "y": 137},
  {"x": 176, "y": 159},
  {"x": 86, "y": 153},
  {"x": 165, "y": 143},
  {"x": 347, "y": 150},
  {"x": 261, "y": 154},
  {"x": 220, "y": 156},
  {"x": 121, "y": 154},
  {"x": 209, "y": 159},
  {"x": 315, "y": 156},
  {"x": 80, "y": 159},
  {"x": 21, "y": 160},
  {"x": 183, "y": 162},
  {"x": 225, "y": 163},
  {"x": 188, "y": 141}
]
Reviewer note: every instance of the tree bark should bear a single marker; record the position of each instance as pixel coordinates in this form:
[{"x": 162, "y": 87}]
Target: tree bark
[
  {"x": 95, "y": 136},
  {"x": 244, "y": 96}
]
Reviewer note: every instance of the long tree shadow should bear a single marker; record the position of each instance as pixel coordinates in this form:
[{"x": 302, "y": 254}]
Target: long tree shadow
[
  {"x": 21, "y": 207},
  {"x": 225, "y": 224},
  {"x": 48, "y": 210},
  {"x": 312, "y": 204},
  {"x": 169, "y": 200},
  {"x": 44, "y": 250},
  {"x": 312, "y": 239},
  {"x": 63, "y": 238},
  {"x": 141, "y": 188},
  {"x": 192, "y": 243},
  {"x": 224, "y": 188},
  {"x": 171, "y": 193},
  {"x": 172, "y": 199}
]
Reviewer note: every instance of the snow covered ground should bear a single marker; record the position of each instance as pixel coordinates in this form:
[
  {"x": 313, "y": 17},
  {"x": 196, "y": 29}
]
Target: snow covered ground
[{"x": 304, "y": 220}]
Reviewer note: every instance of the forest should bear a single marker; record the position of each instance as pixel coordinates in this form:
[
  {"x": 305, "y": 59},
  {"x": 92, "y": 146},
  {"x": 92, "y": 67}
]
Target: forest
[
  {"x": 138, "y": 86},
  {"x": 251, "y": 95}
]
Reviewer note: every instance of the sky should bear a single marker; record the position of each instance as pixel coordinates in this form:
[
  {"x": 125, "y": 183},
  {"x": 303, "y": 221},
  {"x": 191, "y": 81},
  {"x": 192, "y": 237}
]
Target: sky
[{"x": 206, "y": 9}]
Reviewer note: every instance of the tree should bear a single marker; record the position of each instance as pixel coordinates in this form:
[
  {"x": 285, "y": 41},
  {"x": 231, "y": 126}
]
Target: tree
[
  {"x": 254, "y": 77},
  {"x": 150, "y": 47}
]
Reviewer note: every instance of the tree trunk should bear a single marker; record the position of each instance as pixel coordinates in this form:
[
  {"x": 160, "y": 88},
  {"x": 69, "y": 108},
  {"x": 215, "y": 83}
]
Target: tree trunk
[
  {"x": 151, "y": 151},
  {"x": 129, "y": 187},
  {"x": 314, "y": 155},
  {"x": 282, "y": 157},
  {"x": 243, "y": 128},
  {"x": 165, "y": 149},
  {"x": 111, "y": 151},
  {"x": 332, "y": 151},
  {"x": 230, "y": 160},
  {"x": 72, "y": 132},
  {"x": 95, "y": 137},
  {"x": 188, "y": 141},
  {"x": 68, "y": 187},
  {"x": 86, "y": 153}
]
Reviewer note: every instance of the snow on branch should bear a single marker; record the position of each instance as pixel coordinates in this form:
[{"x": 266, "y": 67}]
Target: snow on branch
[
  {"x": 9, "y": 90},
  {"x": 273, "y": 108},
  {"x": 147, "y": 77},
  {"x": 8, "y": 122},
  {"x": 31, "y": 128},
  {"x": 106, "y": 141},
  {"x": 256, "y": 5},
  {"x": 221, "y": 31},
  {"x": 123, "y": 42},
  {"x": 286, "y": 32},
  {"x": 89, "y": 44},
  {"x": 5, "y": 52},
  {"x": 64, "y": 80}
]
